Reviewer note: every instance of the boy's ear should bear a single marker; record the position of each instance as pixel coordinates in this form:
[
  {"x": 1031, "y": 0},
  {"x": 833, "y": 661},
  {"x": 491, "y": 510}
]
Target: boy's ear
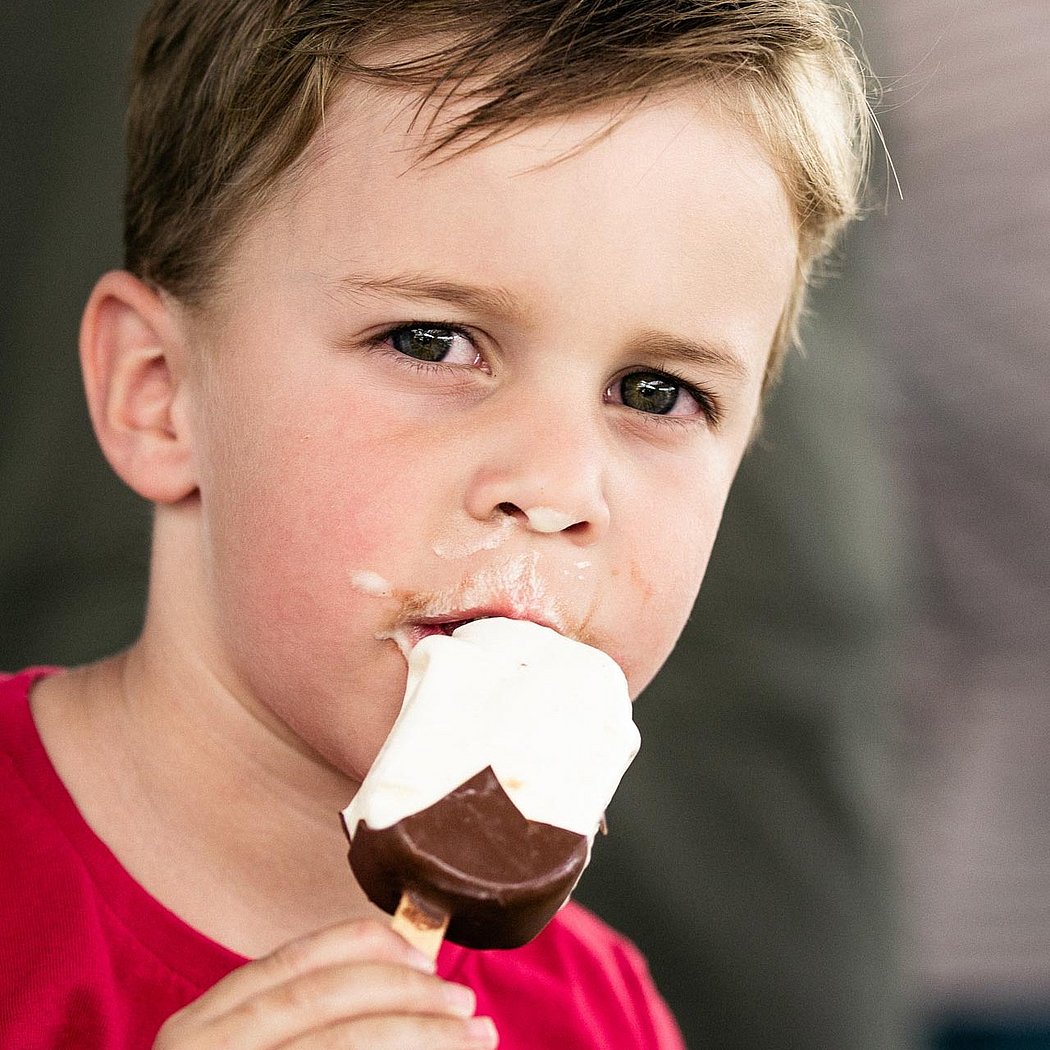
[{"x": 133, "y": 357}]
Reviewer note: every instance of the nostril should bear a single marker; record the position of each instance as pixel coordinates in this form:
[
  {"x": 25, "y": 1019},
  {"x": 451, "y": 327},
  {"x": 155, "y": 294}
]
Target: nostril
[
  {"x": 511, "y": 510},
  {"x": 543, "y": 519}
]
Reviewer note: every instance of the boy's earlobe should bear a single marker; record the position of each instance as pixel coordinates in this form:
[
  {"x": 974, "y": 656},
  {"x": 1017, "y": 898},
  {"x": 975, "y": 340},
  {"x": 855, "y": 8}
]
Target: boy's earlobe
[{"x": 132, "y": 353}]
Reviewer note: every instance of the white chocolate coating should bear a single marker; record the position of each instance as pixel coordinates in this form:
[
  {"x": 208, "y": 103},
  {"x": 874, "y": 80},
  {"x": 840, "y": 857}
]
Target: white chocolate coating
[{"x": 551, "y": 716}]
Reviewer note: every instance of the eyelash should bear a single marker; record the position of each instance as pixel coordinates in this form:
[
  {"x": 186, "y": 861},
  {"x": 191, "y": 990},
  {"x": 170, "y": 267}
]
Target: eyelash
[{"x": 710, "y": 407}]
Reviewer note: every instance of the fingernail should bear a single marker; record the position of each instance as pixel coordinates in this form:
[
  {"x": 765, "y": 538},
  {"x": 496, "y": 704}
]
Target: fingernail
[
  {"x": 482, "y": 1033},
  {"x": 461, "y": 1000}
]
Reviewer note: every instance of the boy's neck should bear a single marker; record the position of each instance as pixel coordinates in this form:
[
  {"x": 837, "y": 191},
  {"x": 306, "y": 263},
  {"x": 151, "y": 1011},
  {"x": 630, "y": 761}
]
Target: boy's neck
[{"x": 148, "y": 750}]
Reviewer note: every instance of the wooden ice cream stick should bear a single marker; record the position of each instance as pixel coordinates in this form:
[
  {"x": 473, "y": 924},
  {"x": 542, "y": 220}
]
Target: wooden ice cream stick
[{"x": 421, "y": 923}]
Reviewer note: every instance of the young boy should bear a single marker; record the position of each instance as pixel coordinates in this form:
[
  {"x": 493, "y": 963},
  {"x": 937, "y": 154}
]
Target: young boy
[{"x": 432, "y": 311}]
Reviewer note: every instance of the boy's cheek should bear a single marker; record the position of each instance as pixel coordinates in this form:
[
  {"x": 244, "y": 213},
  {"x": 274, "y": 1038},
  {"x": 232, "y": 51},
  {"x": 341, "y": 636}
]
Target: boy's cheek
[{"x": 657, "y": 594}]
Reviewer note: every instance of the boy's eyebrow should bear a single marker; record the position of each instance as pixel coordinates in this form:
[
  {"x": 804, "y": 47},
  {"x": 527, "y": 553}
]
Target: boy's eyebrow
[
  {"x": 715, "y": 355},
  {"x": 495, "y": 300},
  {"x": 479, "y": 298}
]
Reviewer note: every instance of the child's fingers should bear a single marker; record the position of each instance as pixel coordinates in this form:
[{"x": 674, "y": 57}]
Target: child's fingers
[
  {"x": 403, "y": 1033},
  {"x": 313, "y": 980},
  {"x": 320, "y": 999},
  {"x": 370, "y": 941}
]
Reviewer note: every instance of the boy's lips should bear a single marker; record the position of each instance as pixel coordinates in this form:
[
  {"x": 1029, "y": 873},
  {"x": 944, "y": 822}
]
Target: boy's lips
[
  {"x": 446, "y": 623},
  {"x": 415, "y": 624},
  {"x": 411, "y": 632},
  {"x": 511, "y": 588}
]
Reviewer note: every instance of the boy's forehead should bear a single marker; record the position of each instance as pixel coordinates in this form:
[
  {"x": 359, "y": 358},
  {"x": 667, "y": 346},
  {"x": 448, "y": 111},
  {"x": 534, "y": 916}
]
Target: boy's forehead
[{"x": 372, "y": 129}]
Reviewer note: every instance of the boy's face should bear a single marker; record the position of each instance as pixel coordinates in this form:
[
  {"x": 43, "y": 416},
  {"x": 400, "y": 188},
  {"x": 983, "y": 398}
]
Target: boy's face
[{"x": 517, "y": 381}]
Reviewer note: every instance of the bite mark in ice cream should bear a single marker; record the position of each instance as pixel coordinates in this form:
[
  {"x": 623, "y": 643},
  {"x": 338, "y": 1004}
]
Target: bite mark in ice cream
[{"x": 493, "y": 781}]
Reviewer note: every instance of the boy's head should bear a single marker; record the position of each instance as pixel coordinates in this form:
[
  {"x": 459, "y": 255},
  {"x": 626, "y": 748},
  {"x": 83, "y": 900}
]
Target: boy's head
[
  {"x": 227, "y": 94},
  {"x": 447, "y": 310}
]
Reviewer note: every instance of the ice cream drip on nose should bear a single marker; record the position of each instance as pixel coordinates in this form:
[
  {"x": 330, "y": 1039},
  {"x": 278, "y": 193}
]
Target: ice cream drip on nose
[
  {"x": 548, "y": 519},
  {"x": 471, "y": 541}
]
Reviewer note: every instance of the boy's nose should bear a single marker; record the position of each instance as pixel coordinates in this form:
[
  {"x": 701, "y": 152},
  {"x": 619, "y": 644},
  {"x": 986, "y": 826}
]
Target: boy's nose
[{"x": 550, "y": 482}]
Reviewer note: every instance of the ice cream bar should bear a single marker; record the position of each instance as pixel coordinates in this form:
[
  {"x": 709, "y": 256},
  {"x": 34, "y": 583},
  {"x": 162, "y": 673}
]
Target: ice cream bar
[{"x": 484, "y": 801}]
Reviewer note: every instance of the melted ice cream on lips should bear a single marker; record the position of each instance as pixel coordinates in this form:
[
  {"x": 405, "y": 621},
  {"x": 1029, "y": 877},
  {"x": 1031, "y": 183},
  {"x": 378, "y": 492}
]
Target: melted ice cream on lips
[{"x": 487, "y": 794}]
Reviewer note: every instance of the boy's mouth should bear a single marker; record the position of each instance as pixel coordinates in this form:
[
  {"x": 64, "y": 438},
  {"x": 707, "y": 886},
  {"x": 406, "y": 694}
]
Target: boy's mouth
[
  {"x": 410, "y": 633},
  {"x": 441, "y": 627},
  {"x": 510, "y": 589},
  {"x": 447, "y": 624},
  {"x": 415, "y": 630}
]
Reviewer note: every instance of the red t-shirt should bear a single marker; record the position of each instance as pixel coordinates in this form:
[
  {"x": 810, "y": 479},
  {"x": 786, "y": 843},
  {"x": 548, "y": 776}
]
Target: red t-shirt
[{"x": 88, "y": 959}]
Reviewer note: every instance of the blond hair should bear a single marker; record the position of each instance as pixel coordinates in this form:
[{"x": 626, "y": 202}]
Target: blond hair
[{"x": 226, "y": 95}]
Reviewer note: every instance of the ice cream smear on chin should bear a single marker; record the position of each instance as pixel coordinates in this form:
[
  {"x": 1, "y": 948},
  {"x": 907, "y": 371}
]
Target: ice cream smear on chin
[{"x": 487, "y": 794}]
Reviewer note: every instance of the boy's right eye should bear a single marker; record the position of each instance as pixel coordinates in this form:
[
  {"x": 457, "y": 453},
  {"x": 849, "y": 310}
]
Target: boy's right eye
[{"x": 431, "y": 343}]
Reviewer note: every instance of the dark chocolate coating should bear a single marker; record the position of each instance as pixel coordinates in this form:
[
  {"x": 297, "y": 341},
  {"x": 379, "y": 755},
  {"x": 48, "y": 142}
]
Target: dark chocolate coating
[{"x": 500, "y": 876}]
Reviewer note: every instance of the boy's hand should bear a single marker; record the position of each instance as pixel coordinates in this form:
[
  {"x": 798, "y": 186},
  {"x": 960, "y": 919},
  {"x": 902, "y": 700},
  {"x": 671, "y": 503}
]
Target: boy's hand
[{"x": 353, "y": 985}]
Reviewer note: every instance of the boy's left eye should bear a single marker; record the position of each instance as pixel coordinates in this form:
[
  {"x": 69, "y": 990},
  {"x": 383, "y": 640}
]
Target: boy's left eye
[
  {"x": 658, "y": 393},
  {"x": 432, "y": 343}
]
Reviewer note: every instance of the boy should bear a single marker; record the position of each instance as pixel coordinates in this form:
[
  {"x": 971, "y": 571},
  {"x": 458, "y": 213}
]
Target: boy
[{"x": 432, "y": 311}]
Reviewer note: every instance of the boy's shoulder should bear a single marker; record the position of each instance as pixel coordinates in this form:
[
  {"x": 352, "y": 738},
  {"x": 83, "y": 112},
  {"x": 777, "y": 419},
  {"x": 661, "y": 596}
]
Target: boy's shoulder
[
  {"x": 89, "y": 958},
  {"x": 17, "y": 731},
  {"x": 18, "y": 683},
  {"x": 579, "y": 983}
]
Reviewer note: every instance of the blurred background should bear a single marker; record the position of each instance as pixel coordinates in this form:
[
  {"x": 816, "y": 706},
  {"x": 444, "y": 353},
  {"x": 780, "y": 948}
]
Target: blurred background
[{"x": 837, "y": 832}]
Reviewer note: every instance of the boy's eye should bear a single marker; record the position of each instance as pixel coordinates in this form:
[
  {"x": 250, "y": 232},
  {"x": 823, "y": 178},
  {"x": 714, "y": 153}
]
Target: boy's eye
[
  {"x": 649, "y": 392},
  {"x": 433, "y": 343},
  {"x": 659, "y": 394}
]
